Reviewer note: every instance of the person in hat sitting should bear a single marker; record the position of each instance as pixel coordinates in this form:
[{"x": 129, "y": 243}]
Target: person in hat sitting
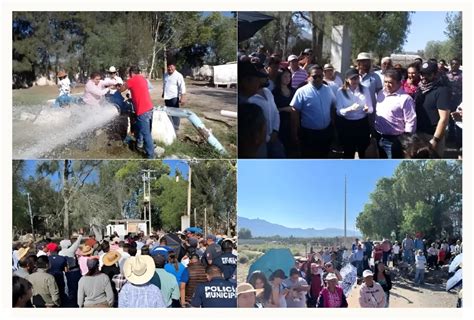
[
  {"x": 332, "y": 295},
  {"x": 95, "y": 289},
  {"x": 64, "y": 98},
  {"x": 371, "y": 293},
  {"x": 216, "y": 293},
  {"x": 138, "y": 292}
]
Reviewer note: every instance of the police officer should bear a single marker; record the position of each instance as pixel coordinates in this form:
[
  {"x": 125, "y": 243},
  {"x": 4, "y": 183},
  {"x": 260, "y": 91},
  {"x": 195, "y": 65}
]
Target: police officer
[
  {"x": 227, "y": 261},
  {"x": 216, "y": 293},
  {"x": 213, "y": 250}
]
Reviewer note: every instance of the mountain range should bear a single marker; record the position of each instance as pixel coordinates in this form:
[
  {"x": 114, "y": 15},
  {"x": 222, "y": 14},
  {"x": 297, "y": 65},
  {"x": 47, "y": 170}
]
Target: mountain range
[{"x": 263, "y": 228}]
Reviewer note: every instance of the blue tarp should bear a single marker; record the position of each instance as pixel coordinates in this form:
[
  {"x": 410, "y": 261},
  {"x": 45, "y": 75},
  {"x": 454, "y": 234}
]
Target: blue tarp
[{"x": 272, "y": 260}]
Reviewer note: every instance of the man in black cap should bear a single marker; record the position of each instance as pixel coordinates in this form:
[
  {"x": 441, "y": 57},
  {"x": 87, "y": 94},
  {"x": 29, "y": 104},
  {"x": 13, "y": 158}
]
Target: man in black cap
[
  {"x": 433, "y": 103},
  {"x": 216, "y": 293},
  {"x": 213, "y": 250},
  {"x": 227, "y": 261}
]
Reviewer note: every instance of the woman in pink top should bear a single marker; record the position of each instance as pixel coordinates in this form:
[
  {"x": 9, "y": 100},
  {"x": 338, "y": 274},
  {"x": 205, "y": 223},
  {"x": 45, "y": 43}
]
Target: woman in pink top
[{"x": 410, "y": 85}]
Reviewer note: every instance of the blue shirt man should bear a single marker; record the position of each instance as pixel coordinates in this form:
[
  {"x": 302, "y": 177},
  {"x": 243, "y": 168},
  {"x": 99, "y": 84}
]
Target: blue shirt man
[{"x": 315, "y": 102}]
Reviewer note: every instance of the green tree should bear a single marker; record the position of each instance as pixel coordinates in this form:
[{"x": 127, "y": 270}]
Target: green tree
[
  {"x": 394, "y": 204},
  {"x": 245, "y": 233},
  {"x": 454, "y": 33},
  {"x": 418, "y": 219}
]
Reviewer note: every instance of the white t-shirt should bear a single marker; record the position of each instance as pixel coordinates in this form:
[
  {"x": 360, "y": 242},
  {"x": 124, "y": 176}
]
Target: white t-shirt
[
  {"x": 344, "y": 103},
  {"x": 64, "y": 86},
  {"x": 396, "y": 249},
  {"x": 173, "y": 85},
  {"x": 265, "y": 100}
]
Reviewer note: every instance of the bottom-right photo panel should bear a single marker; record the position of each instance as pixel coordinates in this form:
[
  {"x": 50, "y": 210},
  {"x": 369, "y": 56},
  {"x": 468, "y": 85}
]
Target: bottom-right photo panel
[{"x": 353, "y": 234}]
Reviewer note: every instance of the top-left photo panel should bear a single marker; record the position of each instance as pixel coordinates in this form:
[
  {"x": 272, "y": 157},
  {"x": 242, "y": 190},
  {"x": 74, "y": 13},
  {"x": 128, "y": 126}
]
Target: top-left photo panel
[{"x": 124, "y": 85}]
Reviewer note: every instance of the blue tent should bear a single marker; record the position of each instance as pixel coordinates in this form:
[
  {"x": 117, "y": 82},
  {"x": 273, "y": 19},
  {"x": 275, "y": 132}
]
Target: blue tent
[{"x": 272, "y": 260}]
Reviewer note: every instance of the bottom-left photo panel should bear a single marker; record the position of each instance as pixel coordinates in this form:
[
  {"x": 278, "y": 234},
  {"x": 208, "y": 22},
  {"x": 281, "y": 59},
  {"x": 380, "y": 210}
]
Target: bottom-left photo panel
[{"x": 124, "y": 234}]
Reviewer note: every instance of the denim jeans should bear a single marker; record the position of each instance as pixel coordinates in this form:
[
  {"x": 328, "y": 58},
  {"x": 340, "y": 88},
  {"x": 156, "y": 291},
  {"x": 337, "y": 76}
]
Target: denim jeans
[
  {"x": 389, "y": 147},
  {"x": 144, "y": 122},
  {"x": 420, "y": 276},
  {"x": 408, "y": 256}
]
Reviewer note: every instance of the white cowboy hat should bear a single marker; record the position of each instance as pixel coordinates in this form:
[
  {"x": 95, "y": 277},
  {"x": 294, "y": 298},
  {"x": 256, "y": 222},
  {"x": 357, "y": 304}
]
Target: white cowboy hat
[
  {"x": 139, "y": 270},
  {"x": 112, "y": 69}
]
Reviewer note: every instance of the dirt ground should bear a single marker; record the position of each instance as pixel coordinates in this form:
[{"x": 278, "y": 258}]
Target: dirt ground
[{"x": 107, "y": 143}]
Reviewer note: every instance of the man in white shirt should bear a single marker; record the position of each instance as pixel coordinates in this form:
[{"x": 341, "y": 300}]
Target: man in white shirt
[
  {"x": 113, "y": 76},
  {"x": 174, "y": 89}
]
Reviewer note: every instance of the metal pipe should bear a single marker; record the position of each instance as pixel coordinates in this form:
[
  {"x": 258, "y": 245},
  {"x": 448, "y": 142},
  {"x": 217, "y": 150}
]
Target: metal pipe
[{"x": 197, "y": 123}]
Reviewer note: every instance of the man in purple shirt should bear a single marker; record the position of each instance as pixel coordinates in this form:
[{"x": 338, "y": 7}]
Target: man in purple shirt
[
  {"x": 395, "y": 115},
  {"x": 298, "y": 74}
]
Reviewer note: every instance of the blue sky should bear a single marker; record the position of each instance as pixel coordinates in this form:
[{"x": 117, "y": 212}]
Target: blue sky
[
  {"x": 425, "y": 26},
  {"x": 307, "y": 193},
  {"x": 30, "y": 169}
]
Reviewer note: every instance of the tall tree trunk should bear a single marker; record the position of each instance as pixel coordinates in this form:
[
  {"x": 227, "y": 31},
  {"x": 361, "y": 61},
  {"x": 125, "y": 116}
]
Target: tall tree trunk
[
  {"x": 165, "y": 60},
  {"x": 155, "y": 45},
  {"x": 65, "y": 194}
]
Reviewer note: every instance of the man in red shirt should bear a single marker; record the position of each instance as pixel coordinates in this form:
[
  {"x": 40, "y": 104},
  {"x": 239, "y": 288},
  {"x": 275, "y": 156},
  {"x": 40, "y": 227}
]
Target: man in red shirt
[{"x": 143, "y": 105}]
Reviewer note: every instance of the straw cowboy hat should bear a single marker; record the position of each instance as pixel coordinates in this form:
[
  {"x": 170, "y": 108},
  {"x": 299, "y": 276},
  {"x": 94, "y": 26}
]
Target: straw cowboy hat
[
  {"x": 86, "y": 250},
  {"x": 61, "y": 74},
  {"x": 139, "y": 270},
  {"x": 22, "y": 252},
  {"x": 246, "y": 288},
  {"x": 111, "y": 257}
]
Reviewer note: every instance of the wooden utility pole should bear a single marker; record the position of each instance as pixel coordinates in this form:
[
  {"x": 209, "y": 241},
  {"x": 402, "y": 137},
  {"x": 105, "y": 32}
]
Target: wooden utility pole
[
  {"x": 31, "y": 217},
  {"x": 345, "y": 209}
]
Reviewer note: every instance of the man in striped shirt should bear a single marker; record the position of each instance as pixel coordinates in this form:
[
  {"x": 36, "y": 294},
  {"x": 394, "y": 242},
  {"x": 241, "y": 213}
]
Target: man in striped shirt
[{"x": 298, "y": 74}]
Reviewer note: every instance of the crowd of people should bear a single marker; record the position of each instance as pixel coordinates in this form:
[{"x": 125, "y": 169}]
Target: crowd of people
[
  {"x": 312, "y": 111},
  {"x": 137, "y": 104},
  {"x": 136, "y": 271},
  {"x": 316, "y": 280}
]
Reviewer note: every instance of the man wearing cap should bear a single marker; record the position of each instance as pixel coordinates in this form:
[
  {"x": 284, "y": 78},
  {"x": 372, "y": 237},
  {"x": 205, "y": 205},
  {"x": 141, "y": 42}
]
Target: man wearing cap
[
  {"x": 138, "y": 292},
  {"x": 227, "y": 261},
  {"x": 143, "y": 105},
  {"x": 45, "y": 289},
  {"x": 57, "y": 267},
  {"x": 246, "y": 296},
  {"x": 315, "y": 103},
  {"x": 371, "y": 293},
  {"x": 298, "y": 286},
  {"x": 213, "y": 250},
  {"x": 168, "y": 283},
  {"x": 433, "y": 105},
  {"x": 331, "y": 79},
  {"x": 307, "y": 60},
  {"x": 68, "y": 249},
  {"x": 298, "y": 74},
  {"x": 395, "y": 115},
  {"x": 216, "y": 293},
  {"x": 113, "y": 78},
  {"x": 385, "y": 64},
  {"x": 174, "y": 89},
  {"x": 368, "y": 78}
]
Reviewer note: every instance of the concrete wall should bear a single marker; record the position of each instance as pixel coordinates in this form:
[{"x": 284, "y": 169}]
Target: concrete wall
[{"x": 341, "y": 46}]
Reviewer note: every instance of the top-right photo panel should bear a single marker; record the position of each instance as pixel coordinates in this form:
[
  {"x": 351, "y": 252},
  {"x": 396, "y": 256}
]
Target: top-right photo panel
[{"x": 350, "y": 85}]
